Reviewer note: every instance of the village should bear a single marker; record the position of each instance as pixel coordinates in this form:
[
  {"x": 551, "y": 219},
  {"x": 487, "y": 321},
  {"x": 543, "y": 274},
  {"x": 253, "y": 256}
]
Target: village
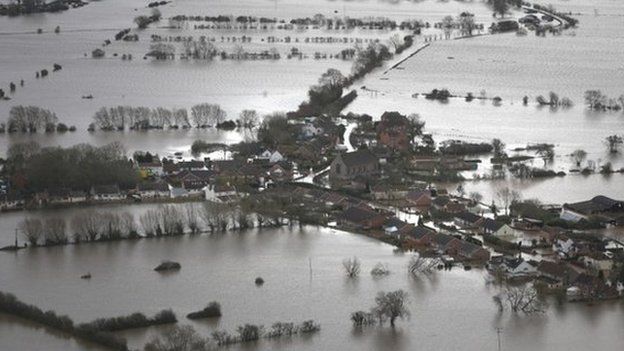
[{"x": 377, "y": 179}]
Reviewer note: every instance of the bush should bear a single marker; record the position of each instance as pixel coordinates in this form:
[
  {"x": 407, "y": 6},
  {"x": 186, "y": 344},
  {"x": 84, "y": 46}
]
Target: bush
[
  {"x": 135, "y": 320},
  {"x": 213, "y": 310}
]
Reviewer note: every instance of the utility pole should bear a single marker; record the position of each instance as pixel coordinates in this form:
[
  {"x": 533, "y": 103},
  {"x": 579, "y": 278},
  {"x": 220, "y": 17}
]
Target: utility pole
[
  {"x": 16, "y": 238},
  {"x": 498, "y": 337}
]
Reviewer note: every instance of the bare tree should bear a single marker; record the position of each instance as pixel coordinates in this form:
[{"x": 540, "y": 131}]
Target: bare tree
[
  {"x": 379, "y": 270},
  {"x": 579, "y": 156},
  {"x": 421, "y": 265},
  {"x": 613, "y": 143},
  {"x": 171, "y": 219},
  {"x": 128, "y": 225},
  {"x": 352, "y": 266},
  {"x": 54, "y": 230},
  {"x": 86, "y": 226},
  {"x": 396, "y": 41},
  {"x": 520, "y": 299},
  {"x": 248, "y": 119},
  {"x": 216, "y": 216},
  {"x": 178, "y": 338},
  {"x": 507, "y": 197},
  {"x": 192, "y": 218},
  {"x": 392, "y": 305},
  {"x": 475, "y": 197},
  {"x": 32, "y": 229},
  {"x": 150, "y": 223},
  {"x": 447, "y": 26}
]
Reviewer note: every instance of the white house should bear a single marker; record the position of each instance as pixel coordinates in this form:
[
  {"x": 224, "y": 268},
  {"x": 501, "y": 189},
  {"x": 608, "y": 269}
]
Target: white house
[
  {"x": 598, "y": 261},
  {"x": 564, "y": 246},
  {"x": 309, "y": 130},
  {"x": 219, "y": 193},
  {"x": 106, "y": 193},
  {"x": 271, "y": 156}
]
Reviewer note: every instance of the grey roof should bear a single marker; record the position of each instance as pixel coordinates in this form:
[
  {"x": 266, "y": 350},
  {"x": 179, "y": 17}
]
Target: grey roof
[
  {"x": 468, "y": 217},
  {"x": 358, "y": 158},
  {"x": 418, "y": 232},
  {"x": 357, "y": 214},
  {"x": 597, "y": 204},
  {"x": 491, "y": 225}
]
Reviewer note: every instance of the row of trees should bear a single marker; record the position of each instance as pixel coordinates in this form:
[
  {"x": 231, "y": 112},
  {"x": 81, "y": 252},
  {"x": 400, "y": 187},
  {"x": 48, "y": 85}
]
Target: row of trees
[
  {"x": 201, "y": 115},
  {"x": 31, "y": 119},
  {"x": 79, "y": 167},
  {"x": 186, "y": 338},
  {"x": 597, "y": 100}
]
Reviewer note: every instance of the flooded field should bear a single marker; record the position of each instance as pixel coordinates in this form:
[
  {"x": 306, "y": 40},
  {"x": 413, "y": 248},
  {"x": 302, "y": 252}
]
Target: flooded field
[{"x": 449, "y": 310}]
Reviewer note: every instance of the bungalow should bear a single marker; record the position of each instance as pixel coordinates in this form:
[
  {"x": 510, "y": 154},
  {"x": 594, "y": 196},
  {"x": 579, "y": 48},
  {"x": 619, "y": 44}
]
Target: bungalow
[
  {"x": 492, "y": 227},
  {"x": 553, "y": 270},
  {"x": 106, "y": 193},
  {"x": 419, "y": 198},
  {"x": 348, "y": 166},
  {"x": 513, "y": 266},
  {"x": 148, "y": 190},
  {"x": 444, "y": 242},
  {"x": 361, "y": 218},
  {"x": 395, "y": 227},
  {"x": 419, "y": 235},
  {"x": 466, "y": 219},
  {"x": 472, "y": 252}
]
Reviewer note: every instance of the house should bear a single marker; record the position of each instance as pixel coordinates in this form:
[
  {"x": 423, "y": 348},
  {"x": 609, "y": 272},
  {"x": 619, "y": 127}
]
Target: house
[
  {"x": 348, "y": 166},
  {"x": 152, "y": 169},
  {"x": 553, "y": 270},
  {"x": 466, "y": 219},
  {"x": 599, "y": 205},
  {"x": 192, "y": 165},
  {"x": 281, "y": 172},
  {"x": 309, "y": 130},
  {"x": 194, "y": 188},
  {"x": 419, "y": 235},
  {"x": 106, "y": 193},
  {"x": 65, "y": 196},
  {"x": 178, "y": 192},
  {"x": 596, "y": 260},
  {"x": 393, "y": 131},
  {"x": 444, "y": 242},
  {"x": 196, "y": 178},
  {"x": 395, "y": 227},
  {"x": 419, "y": 198},
  {"x": 148, "y": 190},
  {"x": 271, "y": 156},
  {"x": 513, "y": 266},
  {"x": 492, "y": 227},
  {"x": 361, "y": 218},
  {"x": 468, "y": 251},
  {"x": 564, "y": 246},
  {"x": 11, "y": 201},
  {"x": 388, "y": 192},
  {"x": 220, "y": 193}
]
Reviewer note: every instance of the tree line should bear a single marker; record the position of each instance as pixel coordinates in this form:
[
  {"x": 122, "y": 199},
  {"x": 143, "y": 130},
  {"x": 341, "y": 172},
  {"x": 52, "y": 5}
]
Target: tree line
[
  {"x": 33, "y": 168},
  {"x": 31, "y": 119},
  {"x": 201, "y": 116}
]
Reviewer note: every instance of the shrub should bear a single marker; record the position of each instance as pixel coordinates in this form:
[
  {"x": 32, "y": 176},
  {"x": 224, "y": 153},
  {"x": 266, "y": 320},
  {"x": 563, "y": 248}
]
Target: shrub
[{"x": 213, "y": 310}]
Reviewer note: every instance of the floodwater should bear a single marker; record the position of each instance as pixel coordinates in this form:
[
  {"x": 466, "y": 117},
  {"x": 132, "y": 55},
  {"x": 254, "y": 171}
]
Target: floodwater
[{"x": 449, "y": 310}]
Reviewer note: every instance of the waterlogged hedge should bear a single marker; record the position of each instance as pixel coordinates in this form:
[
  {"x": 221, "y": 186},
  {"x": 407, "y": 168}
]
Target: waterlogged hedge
[
  {"x": 11, "y": 305},
  {"x": 135, "y": 320}
]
